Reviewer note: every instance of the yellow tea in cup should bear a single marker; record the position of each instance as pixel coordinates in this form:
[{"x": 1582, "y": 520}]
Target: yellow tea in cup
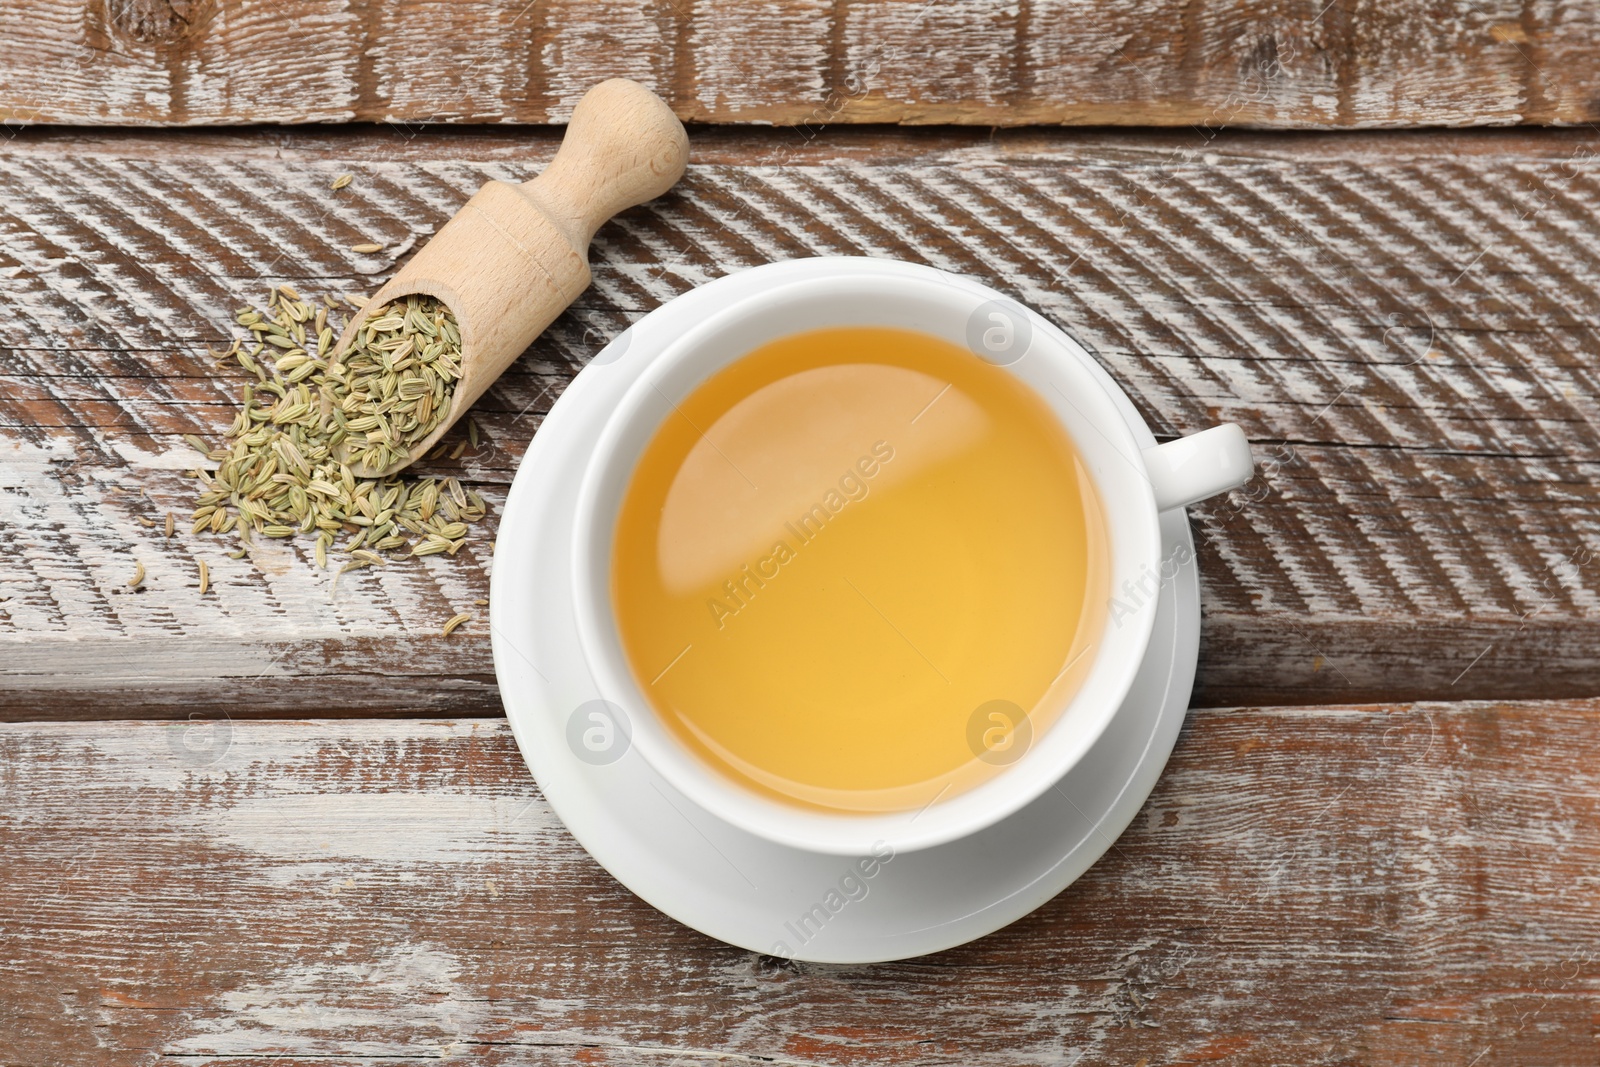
[{"x": 858, "y": 568}]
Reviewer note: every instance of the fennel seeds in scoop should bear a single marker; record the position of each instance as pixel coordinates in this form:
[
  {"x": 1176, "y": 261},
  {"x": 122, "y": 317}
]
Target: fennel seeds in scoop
[{"x": 280, "y": 474}]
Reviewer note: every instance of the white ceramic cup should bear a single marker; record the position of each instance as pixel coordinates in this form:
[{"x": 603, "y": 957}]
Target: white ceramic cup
[{"x": 1134, "y": 484}]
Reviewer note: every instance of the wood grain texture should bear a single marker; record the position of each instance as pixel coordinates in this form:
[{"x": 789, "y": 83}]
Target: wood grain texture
[
  {"x": 1381, "y": 885},
  {"x": 1280, "y": 63},
  {"x": 1409, "y": 340},
  {"x": 868, "y": 144}
]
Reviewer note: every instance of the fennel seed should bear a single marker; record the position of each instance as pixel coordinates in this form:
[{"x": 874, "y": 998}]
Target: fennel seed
[{"x": 310, "y": 419}]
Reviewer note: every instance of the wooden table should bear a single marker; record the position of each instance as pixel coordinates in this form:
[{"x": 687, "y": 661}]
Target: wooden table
[{"x": 274, "y": 825}]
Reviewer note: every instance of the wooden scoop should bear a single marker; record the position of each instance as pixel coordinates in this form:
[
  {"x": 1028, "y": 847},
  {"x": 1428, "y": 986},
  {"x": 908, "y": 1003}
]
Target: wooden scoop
[{"x": 515, "y": 256}]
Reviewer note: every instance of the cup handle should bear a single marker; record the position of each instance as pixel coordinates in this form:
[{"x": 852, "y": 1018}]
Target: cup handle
[{"x": 1200, "y": 465}]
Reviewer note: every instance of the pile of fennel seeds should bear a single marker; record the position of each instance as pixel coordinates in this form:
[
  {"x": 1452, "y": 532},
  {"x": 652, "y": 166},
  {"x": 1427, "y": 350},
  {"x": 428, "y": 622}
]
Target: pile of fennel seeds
[{"x": 280, "y": 474}]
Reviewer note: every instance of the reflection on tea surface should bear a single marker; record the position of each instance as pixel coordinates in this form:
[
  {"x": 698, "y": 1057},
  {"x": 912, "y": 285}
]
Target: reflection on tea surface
[{"x": 838, "y": 550}]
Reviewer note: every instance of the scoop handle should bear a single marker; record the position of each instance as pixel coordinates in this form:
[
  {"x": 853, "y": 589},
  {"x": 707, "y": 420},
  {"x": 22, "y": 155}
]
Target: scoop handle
[
  {"x": 623, "y": 146},
  {"x": 516, "y": 255}
]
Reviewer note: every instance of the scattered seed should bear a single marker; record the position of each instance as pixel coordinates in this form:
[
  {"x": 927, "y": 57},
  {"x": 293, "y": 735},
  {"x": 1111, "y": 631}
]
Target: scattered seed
[
  {"x": 341, "y": 181},
  {"x": 450, "y": 626},
  {"x": 171, "y": 524},
  {"x": 481, "y": 603},
  {"x": 138, "y": 575},
  {"x": 311, "y": 419},
  {"x": 366, "y": 248},
  {"x": 145, "y": 522},
  {"x": 205, "y": 578}
]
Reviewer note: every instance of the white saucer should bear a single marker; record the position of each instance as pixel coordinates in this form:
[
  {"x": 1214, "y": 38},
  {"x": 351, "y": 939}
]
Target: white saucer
[{"x": 743, "y": 889}]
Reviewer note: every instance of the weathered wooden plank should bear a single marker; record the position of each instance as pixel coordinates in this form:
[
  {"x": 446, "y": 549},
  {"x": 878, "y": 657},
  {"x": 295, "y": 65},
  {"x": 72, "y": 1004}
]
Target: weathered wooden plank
[
  {"x": 1410, "y": 342},
  {"x": 878, "y": 145},
  {"x": 1386, "y": 885},
  {"x": 1284, "y": 63}
]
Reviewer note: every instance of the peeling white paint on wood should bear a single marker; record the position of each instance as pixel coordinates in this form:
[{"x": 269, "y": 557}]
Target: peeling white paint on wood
[
  {"x": 302, "y": 1008},
  {"x": 1307, "y": 885},
  {"x": 385, "y": 827},
  {"x": 1428, "y": 485},
  {"x": 985, "y": 62}
]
